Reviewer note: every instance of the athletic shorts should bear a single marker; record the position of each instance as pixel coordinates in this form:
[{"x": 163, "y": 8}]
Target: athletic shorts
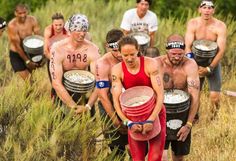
[
  {"x": 17, "y": 63},
  {"x": 179, "y": 147},
  {"x": 214, "y": 79}
]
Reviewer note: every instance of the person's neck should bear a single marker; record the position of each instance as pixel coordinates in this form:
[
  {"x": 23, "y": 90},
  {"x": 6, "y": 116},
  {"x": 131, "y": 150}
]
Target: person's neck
[
  {"x": 208, "y": 21},
  {"x": 140, "y": 15}
]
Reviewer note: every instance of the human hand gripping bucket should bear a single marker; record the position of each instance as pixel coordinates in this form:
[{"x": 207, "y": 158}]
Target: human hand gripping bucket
[{"x": 137, "y": 104}]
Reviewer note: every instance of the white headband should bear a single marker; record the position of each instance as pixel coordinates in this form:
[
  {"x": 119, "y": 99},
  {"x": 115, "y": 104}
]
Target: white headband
[{"x": 207, "y": 3}]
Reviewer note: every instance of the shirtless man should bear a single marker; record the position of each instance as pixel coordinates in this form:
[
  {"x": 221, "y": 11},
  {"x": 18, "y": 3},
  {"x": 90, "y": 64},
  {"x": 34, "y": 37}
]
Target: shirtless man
[
  {"x": 208, "y": 28},
  {"x": 140, "y": 19},
  {"x": 103, "y": 85},
  {"x": 54, "y": 32},
  {"x": 21, "y": 26},
  {"x": 3, "y": 25},
  {"x": 180, "y": 73},
  {"x": 73, "y": 52},
  {"x": 139, "y": 71}
]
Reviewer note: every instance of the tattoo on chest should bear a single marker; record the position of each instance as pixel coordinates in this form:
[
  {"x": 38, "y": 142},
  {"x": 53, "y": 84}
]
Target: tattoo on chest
[
  {"x": 166, "y": 77},
  {"x": 77, "y": 57}
]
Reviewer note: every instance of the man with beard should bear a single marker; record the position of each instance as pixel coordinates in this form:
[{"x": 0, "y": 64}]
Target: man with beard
[
  {"x": 73, "y": 52},
  {"x": 140, "y": 19},
  {"x": 140, "y": 71},
  {"x": 181, "y": 73},
  {"x": 20, "y": 27},
  {"x": 206, "y": 27},
  {"x": 103, "y": 85}
]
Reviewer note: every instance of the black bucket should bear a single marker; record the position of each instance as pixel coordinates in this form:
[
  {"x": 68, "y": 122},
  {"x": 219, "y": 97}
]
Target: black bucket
[
  {"x": 176, "y": 113},
  {"x": 204, "y": 52}
]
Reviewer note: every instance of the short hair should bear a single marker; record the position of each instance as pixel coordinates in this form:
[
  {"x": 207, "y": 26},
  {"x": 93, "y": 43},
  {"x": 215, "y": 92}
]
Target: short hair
[
  {"x": 21, "y": 6},
  {"x": 114, "y": 35},
  {"x": 175, "y": 37},
  {"x": 149, "y": 1},
  {"x": 57, "y": 16},
  {"x": 128, "y": 40},
  {"x": 152, "y": 52}
]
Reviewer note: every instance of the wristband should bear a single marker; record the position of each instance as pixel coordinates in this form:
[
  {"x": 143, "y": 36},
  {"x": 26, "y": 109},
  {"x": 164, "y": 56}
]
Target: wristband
[
  {"x": 88, "y": 106},
  {"x": 189, "y": 124},
  {"x": 125, "y": 122},
  {"x": 27, "y": 62}
]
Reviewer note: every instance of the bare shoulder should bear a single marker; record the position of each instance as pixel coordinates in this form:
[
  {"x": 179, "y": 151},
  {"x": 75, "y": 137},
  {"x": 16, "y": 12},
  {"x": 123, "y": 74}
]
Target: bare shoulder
[
  {"x": 193, "y": 21},
  {"x": 103, "y": 62},
  {"x": 190, "y": 63},
  {"x": 220, "y": 24},
  {"x": 12, "y": 24},
  {"x": 48, "y": 30},
  {"x": 32, "y": 18}
]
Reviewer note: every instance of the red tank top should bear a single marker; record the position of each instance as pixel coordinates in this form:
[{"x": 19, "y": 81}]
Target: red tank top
[
  {"x": 138, "y": 79},
  {"x": 53, "y": 32}
]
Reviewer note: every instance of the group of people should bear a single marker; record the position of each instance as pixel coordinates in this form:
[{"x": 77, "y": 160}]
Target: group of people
[{"x": 67, "y": 46}]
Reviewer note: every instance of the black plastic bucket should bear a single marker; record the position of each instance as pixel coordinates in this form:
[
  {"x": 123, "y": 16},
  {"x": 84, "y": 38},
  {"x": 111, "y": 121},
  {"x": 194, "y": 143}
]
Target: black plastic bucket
[
  {"x": 204, "y": 52},
  {"x": 176, "y": 114}
]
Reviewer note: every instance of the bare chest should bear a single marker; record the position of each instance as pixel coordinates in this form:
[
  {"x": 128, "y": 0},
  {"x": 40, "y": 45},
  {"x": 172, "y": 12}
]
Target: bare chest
[
  {"x": 24, "y": 30},
  {"x": 206, "y": 32},
  {"x": 174, "y": 78},
  {"x": 78, "y": 59}
]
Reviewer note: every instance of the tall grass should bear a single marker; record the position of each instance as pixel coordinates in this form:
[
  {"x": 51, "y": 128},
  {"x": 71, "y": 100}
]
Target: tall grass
[{"x": 35, "y": 130}]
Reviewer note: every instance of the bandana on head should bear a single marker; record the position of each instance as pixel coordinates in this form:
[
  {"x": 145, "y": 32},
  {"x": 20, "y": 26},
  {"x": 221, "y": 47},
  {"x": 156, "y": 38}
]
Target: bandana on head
[
  {"x": 113, "y": 45},
  {"x": 175, "y": 45},
  {"x": 207, "y": 3},
  {"x": 3, "y": 24},
  {"x": 77, "y": 22}
]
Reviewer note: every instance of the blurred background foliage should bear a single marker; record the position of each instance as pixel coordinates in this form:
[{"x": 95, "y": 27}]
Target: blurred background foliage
[{"x": 163, "y": 8}]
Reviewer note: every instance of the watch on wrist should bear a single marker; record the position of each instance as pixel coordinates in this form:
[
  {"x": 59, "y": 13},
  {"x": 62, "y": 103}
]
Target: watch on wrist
[
  {"x": 27, "y": 62},
  {"x": 210, "y": 69}
]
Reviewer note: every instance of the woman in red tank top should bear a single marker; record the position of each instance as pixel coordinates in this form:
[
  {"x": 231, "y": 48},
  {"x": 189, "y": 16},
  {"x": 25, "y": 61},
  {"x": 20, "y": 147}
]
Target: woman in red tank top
[{"x": 140, "y": 71}]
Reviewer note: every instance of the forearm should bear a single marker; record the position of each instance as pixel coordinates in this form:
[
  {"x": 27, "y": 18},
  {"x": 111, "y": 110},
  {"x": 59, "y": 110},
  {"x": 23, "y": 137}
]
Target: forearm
[
  {"x": 217, "y": 59},
  {"x": 64, "y": 95},
  {"x": 108, "y": 107},
  {"x": 156, "y": 110},
  {"x": 193, "y": 110},
  {"x": 21, "y": 52},
  {"x": 92, "y": 98}
]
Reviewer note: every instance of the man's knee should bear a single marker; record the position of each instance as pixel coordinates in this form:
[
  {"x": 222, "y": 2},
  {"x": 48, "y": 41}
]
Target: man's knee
[{"x": 215, "y": 98}]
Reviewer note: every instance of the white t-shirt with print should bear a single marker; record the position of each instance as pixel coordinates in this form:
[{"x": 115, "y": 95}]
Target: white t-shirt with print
[{"x": 132, "y": 22}]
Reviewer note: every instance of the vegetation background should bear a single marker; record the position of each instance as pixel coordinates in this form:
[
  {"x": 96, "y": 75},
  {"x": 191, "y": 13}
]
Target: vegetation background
[{"x": 32, "y": 129}]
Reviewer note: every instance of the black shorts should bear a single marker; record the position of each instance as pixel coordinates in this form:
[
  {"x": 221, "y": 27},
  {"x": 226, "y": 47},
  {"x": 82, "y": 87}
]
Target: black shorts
[
  {"x": 179, "y": 147},
  {"x": 17, "y": 63}
]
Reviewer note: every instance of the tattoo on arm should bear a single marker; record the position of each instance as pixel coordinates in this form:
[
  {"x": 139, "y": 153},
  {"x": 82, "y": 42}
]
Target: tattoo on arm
[
  {"x": 193, "y": 84},
  {"x": 52, "y": 65},
  {"x": 114, "y": 78},
  {"x": 158, "y": 80}
]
